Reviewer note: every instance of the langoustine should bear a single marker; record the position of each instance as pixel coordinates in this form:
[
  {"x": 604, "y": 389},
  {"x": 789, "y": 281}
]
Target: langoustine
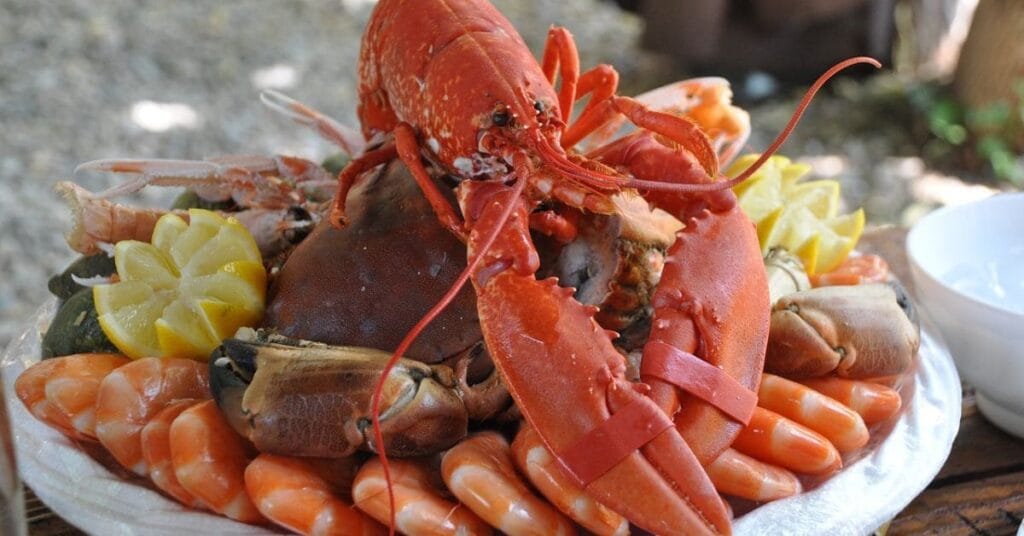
[{"x": 278, "y": 199}]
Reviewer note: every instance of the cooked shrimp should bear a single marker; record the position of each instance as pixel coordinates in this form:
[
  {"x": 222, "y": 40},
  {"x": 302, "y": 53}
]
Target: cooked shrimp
[
  {"x": 873, "y": 402},
  {"x": 339, "y": 473},
  {"x": 480, "y": 473},
  {"x": 290, "y": 492},
  {"x": 858, "y": 270},
  {"x": 774, "y": 439},
  {"x": 129, "y": 396},
  {"x": 72, "y": 388},
  {"x": 739, "y": 475},
  {"x": 209, "y": 460},
  {"x": 31, "y": 390},
  {"x": 534, "y": 460},
  {"x": 156, "y": 450},
  {"x": 830, "y": 418},
  {"x": 420, "y": 508}
]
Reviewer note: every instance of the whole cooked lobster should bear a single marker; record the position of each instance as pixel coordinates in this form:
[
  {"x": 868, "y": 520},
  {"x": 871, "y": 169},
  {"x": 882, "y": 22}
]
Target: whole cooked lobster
[{"x": 462, "y": 95}]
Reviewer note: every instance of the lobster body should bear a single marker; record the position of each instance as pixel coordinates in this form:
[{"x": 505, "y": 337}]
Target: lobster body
[{"x": 464, "y": 93}]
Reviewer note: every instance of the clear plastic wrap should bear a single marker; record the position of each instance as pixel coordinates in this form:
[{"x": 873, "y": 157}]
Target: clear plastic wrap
[{"x": 902, "y": 458}]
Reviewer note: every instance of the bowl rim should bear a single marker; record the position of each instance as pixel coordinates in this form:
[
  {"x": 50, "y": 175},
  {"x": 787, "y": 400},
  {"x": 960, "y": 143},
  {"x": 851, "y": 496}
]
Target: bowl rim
[{"x": 935, "y": 215}]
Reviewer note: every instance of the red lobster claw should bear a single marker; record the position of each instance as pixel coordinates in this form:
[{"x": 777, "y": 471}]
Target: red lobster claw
[
  {"x": 709, "y": 331},
  {"x": 567, "y": 379}
]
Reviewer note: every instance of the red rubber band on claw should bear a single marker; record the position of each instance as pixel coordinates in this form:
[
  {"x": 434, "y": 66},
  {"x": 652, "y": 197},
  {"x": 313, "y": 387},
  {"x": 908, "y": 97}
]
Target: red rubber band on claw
[
  {"x": 699, "y": 378},
  {"x": 610, "y": 442}
]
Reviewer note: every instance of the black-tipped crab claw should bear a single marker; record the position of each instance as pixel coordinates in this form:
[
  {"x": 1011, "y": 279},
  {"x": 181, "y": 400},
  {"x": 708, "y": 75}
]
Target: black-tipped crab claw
[{"x": 312, "y": 399}]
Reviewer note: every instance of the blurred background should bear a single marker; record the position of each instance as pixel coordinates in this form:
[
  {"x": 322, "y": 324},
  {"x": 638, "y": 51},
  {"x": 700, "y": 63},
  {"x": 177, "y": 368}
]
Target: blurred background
[{"x": 940, "y": 124}]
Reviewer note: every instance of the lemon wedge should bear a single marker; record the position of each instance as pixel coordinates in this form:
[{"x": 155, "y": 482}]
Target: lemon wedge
[
  {"x": 800, "y": 216},
  {"x": 193, "y": 286}
]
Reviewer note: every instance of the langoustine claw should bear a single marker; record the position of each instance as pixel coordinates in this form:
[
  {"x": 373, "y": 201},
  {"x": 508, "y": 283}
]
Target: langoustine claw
[
  {"x": 859, "y": 331},
  {"x": 314, "y": 400}
]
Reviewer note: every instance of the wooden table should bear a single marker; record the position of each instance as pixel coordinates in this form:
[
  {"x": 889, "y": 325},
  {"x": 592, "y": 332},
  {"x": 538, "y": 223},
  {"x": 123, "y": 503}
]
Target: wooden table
[{"x": 980, "y": 489}]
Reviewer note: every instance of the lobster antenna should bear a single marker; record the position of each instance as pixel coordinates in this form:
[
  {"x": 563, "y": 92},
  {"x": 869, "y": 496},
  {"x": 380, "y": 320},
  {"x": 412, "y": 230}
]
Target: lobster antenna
[
  {"x": 590, "y": 177},
  {"x": 779, "y": 140},
  {"x": 378, "y": 391}
]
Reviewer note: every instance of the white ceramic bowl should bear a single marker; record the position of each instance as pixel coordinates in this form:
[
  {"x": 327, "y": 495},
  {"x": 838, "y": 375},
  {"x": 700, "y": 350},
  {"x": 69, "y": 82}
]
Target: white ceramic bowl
[{"x": 968, "y": 268}]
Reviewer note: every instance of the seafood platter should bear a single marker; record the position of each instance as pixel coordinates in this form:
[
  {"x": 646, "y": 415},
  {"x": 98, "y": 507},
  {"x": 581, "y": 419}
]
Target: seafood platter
[{"x": 515, "y": 302}]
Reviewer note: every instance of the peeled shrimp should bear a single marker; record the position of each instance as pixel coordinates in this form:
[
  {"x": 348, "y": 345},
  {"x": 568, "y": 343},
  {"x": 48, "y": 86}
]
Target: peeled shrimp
[
  {"x": 534, "y": 460},
  {"x": 209, "y": 460},
  {"x": 830, "y": 418},
  {"x": 31, "y": 390},
  {"x": 734, "y": 473},
  {"x": 156, "y": 450},
  {"x": 873, "y": 402},
  {"x": 73, "y": 387},
  {"x": 131, "y": 395},
  {"x": 774, "y": 439},
  {"x": 480, "y": 473},
  {"x": 420, "y": 509},
  {"x": 291, "y": 492}
]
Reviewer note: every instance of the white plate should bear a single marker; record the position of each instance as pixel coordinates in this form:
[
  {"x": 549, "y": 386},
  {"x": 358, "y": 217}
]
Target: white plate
[{"x": 868, "y": 492}]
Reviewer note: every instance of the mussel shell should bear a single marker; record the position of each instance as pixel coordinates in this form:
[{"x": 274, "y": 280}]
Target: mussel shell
[
  {"x": 75, "y": 329},
  {"x": 63, "y": 285}
]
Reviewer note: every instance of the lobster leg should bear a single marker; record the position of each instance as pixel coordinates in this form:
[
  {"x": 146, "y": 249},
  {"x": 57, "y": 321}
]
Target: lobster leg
[
  {"x": 568, "y": 380},
  {"x": 678, "y": 129},
  {"x": 604, "y": 106},
  {"x": 601, "y": 83},
  {"x": 560, "y": 55},
  {"x": 355, "y": 168},
  {"x": 406, "y": 147}
]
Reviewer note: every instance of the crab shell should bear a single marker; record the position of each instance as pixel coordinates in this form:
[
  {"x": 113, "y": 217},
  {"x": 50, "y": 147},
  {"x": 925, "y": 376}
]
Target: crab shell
[{"x": 368, "y": 283}]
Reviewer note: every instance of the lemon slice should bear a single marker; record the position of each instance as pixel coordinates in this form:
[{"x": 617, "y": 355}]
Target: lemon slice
[
  {"x": 820, "y": 197},
  {"x": 797, "y": 215},
  {"x": 838, "y": 237},
  {"x": 185, "y": 292}
]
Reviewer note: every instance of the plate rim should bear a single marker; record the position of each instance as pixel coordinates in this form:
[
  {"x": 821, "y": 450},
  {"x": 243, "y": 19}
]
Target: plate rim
[{"x": 935, "y": 397}]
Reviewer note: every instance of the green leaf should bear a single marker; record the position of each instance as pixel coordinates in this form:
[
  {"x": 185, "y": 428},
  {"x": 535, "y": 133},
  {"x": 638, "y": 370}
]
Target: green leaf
[{"x": 989, "y": 117}]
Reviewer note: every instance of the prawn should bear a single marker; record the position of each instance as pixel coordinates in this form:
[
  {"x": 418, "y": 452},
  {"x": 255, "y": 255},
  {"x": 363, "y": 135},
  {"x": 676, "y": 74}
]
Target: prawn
[
  {"x": 419, "y": 507},
  {"x": 210, "y": 459},
  {"x": 292, "y": 493},
  {"x": 479, "y": 471},
  {"x": 131, "y": 395}
]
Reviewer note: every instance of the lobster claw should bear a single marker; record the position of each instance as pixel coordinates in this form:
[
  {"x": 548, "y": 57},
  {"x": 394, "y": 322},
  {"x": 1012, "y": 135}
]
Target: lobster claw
[
  {"x": 569, "y": 382},
  {"x": 314, "y": 399},
  {"x": 858, "y": 331}
]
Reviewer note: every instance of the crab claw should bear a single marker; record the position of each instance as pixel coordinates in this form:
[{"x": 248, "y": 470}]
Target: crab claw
[
  {"x": 314, "y": 399},
  {"x": 858, "y": 331}
]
